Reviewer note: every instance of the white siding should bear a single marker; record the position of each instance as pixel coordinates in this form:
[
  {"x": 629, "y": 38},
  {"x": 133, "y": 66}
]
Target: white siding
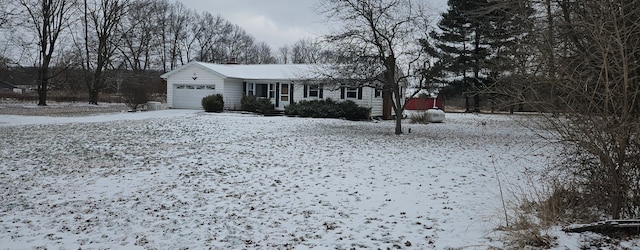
[
  {"x": 298, "y": 93},
  {"x": 232, "y": 93},
  {"x": 185, "y": 76},
  {"x": 331, "y": 92},
  {"x": 375, "y": 103}
]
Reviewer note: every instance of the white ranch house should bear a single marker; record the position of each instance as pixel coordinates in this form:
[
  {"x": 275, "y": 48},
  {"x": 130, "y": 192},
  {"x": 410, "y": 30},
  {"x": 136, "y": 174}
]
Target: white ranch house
[{"x": 281, "y": 83}]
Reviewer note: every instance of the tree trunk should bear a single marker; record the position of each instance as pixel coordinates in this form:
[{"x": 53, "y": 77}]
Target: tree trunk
[
  {"x": 42, "y": 85},
  {"x": 390, "y": 88},
  {"x": 476, "y": 103},
  {"x": 398, "y": 124},
  {"x": 466, "y": 104},
  {"x": 94, "y": 95},
  {"x": 617, "y": 190},
  {"x": 387, "y": 105},
  {"x": 398, "y": 108},
  {"x": 94, "y": 87}
]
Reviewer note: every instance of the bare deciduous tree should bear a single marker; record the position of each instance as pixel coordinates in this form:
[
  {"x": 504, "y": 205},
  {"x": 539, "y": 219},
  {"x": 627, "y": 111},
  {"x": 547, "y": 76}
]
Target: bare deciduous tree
[
  {"x": 239, "y": 45},
  {"x": 212, "y": 34},
  {"x": 6, "y": 13},
  {"x": 175, "y": 21},
  {"x": 101, "y": 21},
  {"x": 284, "y": 54},
  {"x": 139, "y": 36},
  {"x": 585, "y": 70},
  {"x": 599, "y": 89},
  {"x": 48, "y": 19},
  {"x": 306, "y": 50},
  {"x": 379, "y": 40},
  {"x": 262, "y": 54}
]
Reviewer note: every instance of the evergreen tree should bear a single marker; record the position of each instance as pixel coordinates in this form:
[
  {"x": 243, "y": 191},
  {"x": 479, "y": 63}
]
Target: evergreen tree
[
  {"x": 475, "y": 41},
  {"x": 512, "y": 49},
  {"x": 459, "y": 45}
]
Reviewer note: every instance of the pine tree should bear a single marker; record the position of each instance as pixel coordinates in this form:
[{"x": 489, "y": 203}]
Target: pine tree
[
  {"x": 458, "y": 43},
  {"x": 475, "y": 38},
  {"x": 512, "y": 46}
]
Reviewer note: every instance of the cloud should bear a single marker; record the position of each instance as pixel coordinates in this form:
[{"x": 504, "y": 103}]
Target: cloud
[
  {"x": 276, "y": 22},
  {"x": 255, "y": 22},
  {"x": 264, "y": 28}
]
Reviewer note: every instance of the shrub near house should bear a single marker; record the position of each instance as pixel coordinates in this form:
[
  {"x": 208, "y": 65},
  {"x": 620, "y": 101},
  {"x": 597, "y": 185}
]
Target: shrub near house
[
  {"x": 213, "y": 103},
  {"x": 328, "y": 109},
  {"x": 254, "y": 104}
]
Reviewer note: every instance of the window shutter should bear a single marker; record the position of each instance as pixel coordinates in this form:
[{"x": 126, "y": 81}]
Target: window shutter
[
  {"x": 291, "y": 93},
  {"x": 342, "y": 93},
  {"x": 277, "y": 94},
  {"x": 359, "y": 93},
  {"x": 306, "y": 89},
  {"x": 244, "y": 88},
  {"x": 321, "y": 92}
]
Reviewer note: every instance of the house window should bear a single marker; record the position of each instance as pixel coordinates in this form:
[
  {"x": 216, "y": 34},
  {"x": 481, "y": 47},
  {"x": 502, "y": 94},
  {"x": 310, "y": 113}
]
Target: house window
[
  {"x": 352, "y": 92},
  {"x": 378, "y": 93},
  {"x": 249, "y": 89},
  {"x": 262, "y": 90},
  {"x": 314, "y": 91},
  {"x": 272, "y": 90},
  {"x": 198, "y": 87}
]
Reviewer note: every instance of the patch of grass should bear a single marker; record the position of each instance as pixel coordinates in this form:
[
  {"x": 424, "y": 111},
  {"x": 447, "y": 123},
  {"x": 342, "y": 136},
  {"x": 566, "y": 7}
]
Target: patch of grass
[{"x": 530, "y": 238}]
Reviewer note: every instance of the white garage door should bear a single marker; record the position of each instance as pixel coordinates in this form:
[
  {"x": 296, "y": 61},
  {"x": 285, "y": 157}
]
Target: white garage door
[{"x": 190, "y": 96}]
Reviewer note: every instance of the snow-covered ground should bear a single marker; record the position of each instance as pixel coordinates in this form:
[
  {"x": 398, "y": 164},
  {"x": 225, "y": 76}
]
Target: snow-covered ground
[{"x": 178, "y": 179}]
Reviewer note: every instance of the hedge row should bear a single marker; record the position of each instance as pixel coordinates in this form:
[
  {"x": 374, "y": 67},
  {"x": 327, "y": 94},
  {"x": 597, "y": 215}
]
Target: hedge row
[
  {"x": 253, "y": 104},
  {"x": 328, "y": 109}
]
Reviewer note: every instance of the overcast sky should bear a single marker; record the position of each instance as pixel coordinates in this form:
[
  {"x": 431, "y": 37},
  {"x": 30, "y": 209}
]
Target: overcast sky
[{"x": 276, "y": 22}]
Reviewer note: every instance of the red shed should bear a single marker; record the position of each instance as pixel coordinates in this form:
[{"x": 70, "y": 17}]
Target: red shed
[{"x": 420, "y": 103}]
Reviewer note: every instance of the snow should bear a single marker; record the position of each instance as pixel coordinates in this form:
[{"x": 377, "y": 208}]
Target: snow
[
  {"x": 178, "y": 179},
  {"x": 258, "y": 71}
]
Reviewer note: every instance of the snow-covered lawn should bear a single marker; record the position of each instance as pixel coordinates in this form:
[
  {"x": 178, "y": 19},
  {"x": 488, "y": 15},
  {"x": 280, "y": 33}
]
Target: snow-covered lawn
[{"x": 176, "y": 179}]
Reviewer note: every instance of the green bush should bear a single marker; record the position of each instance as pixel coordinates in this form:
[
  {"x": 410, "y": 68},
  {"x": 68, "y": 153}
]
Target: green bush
[
  {"x": 213, "y": 103},
  {"x": 257, "y": 105},
  {"x": 354, "y": 112},
  {"x": 291, "y": 109},
  {"x": 328, "y": 109}
]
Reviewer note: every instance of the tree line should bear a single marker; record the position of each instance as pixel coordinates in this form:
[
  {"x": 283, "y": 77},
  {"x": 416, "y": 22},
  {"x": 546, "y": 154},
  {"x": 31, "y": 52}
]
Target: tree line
[{"x": 101, "y": 36}]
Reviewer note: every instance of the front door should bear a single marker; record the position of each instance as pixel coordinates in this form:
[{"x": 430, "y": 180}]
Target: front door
[{"x": 285, "y": 95}]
